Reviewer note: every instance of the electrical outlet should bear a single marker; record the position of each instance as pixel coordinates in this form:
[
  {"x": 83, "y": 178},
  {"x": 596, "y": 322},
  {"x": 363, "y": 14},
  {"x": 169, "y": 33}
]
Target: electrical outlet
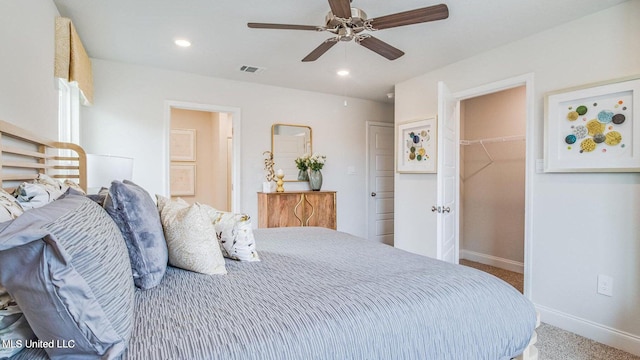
[{"x": 605, "y": 285}]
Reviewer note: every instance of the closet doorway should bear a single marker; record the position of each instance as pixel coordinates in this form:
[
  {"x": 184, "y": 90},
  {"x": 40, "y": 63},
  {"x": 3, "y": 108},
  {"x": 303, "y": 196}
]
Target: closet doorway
[
  {"x": 493, "y": 181},
  {"x": 203, "y": 154}
]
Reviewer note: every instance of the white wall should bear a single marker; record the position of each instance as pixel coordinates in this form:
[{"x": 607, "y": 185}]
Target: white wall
[
  {"x": 577, "y": 233},
  {"x": 128, "y": 114},
  {"x": 28, "y": 96}
]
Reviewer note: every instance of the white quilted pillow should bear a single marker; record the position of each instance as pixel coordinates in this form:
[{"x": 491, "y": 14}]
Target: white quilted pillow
[
  {"x": 191, "y": 238},
  {"x": 235, "y": 235}
]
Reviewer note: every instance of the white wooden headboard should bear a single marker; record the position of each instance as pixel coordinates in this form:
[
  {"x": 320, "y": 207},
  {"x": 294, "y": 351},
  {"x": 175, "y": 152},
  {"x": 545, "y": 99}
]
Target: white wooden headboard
[{"x": 23, "y": 155}]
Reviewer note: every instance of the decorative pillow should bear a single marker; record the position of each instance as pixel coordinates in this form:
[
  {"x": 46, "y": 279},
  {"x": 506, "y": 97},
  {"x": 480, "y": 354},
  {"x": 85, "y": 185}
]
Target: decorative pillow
[
  {"x": 67, "y": 267},
  {"x": 71, "y": 191},
  {"x": 9, "y": 207},
  {"x": 235, "y": 235},
  {"x": 56, "y": 185},
  {"x": 14, "y": 329},
  {"x": 49, "y": 182},
  {"x": 72, "y": 185},
  {"x": 35, "y": 195},
  {"x": 136, "y": 214},
  {"x": 191, "y": 237},
  {"x": 100, "y": 197}
]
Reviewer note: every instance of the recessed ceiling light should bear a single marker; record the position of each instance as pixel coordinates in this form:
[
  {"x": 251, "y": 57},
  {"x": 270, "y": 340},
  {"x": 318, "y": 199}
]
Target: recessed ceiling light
[
  {"x": 182, "y": 43},
  {"x": 343, "y": 72}
]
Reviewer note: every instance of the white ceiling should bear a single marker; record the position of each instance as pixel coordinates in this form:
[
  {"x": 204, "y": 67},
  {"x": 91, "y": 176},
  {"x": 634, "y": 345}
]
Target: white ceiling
[{"x": 142, "y": 32}]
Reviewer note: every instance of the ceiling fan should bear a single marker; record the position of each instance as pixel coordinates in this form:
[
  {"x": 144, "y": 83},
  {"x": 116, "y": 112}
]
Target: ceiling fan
[{"x": 348, "y": 24}]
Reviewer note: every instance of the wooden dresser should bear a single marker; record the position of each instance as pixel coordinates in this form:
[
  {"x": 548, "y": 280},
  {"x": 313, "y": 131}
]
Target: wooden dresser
[{"x": 297, "y": 208}]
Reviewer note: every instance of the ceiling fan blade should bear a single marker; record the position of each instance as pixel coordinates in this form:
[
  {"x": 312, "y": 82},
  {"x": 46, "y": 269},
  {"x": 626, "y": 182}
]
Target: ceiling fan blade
[
  {"x": 320, "y": 50},
  {"x": 285, "y": 26},
  {"x": 341, "y": 8},
  {"x": 380, "y": 47},
  {"x": 431, "y": 13}
]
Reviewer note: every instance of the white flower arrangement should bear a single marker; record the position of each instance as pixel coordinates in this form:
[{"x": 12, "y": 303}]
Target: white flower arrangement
[
  {"x": 316, "y": 161},
  {"x": 313, "y": 162},
  {"x": 302, "y": 162}
]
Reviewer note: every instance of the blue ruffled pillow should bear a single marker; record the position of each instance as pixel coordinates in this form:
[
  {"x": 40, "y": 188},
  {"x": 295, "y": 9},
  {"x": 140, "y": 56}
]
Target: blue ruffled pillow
[{"x": 136, "y": 214}]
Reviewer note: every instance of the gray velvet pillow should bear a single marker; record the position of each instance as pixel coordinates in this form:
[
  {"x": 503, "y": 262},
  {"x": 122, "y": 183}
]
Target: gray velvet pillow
[
  {"x": 67, "y": 267},
  {"x": 135, "y": 213}
]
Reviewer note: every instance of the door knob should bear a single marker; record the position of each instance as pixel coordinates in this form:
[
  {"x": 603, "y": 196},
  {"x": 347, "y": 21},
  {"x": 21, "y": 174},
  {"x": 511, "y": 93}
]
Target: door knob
[
  {"x": 373, "y": 194},
  {"x": 446, "y": 210},
  {"x": 435, "y": 208}
]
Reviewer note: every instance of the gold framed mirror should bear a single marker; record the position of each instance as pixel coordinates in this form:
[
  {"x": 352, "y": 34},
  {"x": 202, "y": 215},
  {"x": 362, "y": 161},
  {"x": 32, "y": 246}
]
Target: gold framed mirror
[{"x": 289, "y": 142}]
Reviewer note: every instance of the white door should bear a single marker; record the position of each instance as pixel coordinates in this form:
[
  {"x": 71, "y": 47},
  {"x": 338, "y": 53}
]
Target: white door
[
  {"x": 447, "y": 178},
  {"x": 380, "y": 182}
]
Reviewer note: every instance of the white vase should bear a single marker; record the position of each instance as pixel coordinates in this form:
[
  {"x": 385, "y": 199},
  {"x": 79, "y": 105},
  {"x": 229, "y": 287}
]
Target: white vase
[{"x": 268, "y": 186}]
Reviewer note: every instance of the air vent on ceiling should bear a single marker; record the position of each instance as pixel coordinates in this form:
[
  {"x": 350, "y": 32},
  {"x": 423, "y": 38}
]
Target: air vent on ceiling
[{"x": 250, "y": 69}]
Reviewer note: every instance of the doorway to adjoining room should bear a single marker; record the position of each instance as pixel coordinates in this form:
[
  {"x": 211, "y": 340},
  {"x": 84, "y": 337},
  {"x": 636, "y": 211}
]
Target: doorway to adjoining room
[{"x": 201, "y": 157}]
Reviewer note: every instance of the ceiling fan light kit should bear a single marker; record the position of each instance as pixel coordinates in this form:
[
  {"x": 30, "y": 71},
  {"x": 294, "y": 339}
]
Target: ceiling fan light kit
[
  {"x": 348, "y": 23},
  {"x": 182, "y": 42}
]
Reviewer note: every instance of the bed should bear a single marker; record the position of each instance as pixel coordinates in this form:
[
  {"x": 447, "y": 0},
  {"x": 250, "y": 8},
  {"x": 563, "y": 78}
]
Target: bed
[{"x": 315, "y": 294}]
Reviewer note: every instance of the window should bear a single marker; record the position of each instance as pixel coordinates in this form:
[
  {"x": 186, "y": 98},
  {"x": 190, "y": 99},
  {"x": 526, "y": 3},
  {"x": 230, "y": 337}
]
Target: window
[
  {"x": 68, "y": 111},
  {"x": 68, "y": 119}
]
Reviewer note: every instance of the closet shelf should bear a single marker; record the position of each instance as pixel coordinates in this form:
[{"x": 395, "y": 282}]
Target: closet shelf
[
  {"x": 482, "y": 142},
  {"x": 493, "y": 140}
]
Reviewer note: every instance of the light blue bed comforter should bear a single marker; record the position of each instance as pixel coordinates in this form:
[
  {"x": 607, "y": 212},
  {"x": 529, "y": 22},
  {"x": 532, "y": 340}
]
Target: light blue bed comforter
[{"x": 322, "y": 294}]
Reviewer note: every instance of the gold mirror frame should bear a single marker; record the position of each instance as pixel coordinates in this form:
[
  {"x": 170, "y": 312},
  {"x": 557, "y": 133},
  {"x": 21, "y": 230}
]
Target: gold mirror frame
[{"x": 288, "y": 142}]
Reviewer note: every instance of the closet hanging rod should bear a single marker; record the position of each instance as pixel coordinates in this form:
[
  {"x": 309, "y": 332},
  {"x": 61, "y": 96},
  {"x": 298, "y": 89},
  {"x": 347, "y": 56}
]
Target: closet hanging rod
[{"x": 493, "y": 140}]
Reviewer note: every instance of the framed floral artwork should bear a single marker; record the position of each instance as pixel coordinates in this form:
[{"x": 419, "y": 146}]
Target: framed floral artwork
[
  {"x": 592, "y": 128},
  {"x": 417, "y": 147}
]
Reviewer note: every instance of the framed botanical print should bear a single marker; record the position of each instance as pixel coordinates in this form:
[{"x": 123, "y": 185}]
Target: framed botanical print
[
  {"x": 183, "y": 145},
  {"x": 417, "y": 147},
  {"x": 183, "y": 180}
]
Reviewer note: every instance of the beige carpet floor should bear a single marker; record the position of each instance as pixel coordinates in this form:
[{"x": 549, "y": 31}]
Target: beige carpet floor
[{"x": 555, "y": 343}]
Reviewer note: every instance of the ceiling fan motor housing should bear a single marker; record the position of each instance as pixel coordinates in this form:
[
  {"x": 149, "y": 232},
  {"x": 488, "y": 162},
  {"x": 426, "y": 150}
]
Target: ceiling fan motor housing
[{"x": 358, "y": 17}]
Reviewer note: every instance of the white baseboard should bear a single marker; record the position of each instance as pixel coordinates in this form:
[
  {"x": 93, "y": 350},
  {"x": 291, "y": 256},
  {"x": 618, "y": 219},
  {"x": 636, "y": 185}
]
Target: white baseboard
[
  {"x": 589, "y": 329},
  {"x": 492, "y": 260}
]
